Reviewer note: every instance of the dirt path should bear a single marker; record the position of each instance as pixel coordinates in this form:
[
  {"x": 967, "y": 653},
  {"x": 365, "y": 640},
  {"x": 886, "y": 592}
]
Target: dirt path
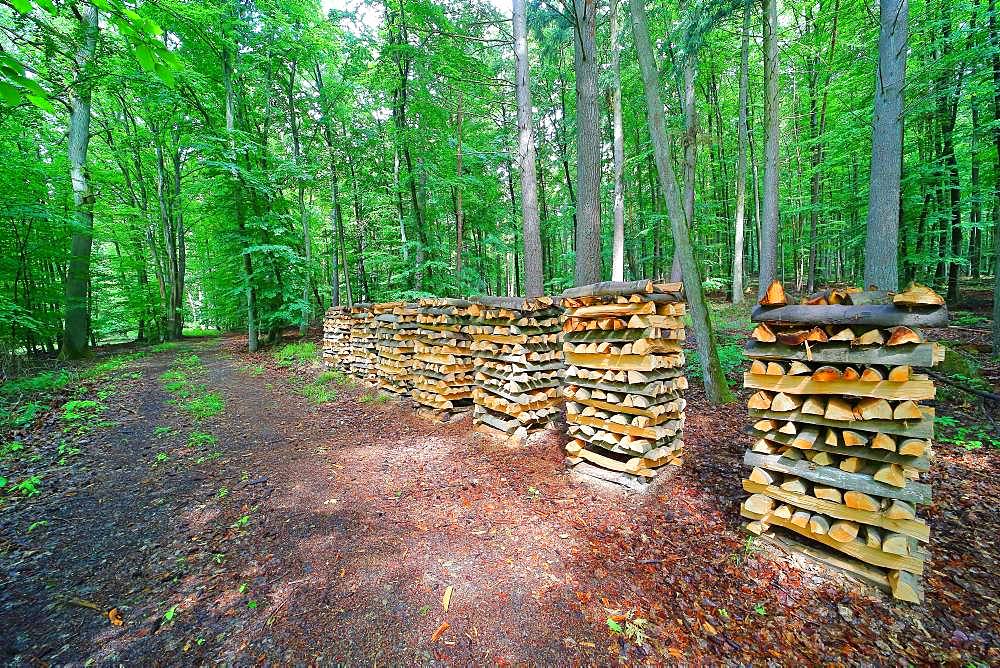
[{"x": 329, "y": 534}]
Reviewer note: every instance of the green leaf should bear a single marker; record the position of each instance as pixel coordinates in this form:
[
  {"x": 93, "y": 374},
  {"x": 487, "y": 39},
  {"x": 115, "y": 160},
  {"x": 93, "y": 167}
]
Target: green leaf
[
  {"x": 102, "y": 4},
  {"x": 614, "y": 626},
  {"x": 164, "y": 74},
  {"x": 22, "y": 6},
  {"x": 144, "y": 56},
  {"x": 42, "y": 103},
  {"x": 9, "y": 94},
  {"x": 47, "y": 6}
]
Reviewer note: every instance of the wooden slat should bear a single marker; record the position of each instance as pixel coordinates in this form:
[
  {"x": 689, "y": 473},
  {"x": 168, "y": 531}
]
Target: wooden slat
[
  {"x": 883, "y": 456},
  {"x": 916, "y": 492},
  {"x": 913, "y": 428},
  {"x": 916, "y": 528},
  {"x": 913, "y": 354},
  {"x": 874, "y": 315},
  {"x": 855, "y": 549},
  {"x": 915, "y": 390}
]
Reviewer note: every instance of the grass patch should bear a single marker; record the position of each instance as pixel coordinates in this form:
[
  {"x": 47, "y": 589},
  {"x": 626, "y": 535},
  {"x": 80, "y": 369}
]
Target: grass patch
[
  {"x": 164, "y": 347},
  {"x": 374, "y": 398},
  {"x": 200, "y": 439},
  {"x": 43, "y": 383},
  {"x": 205, "y": 406},
  {"x": 337, "y": 377},
  {"x": 730, "y": 356},
  {"x": 319, "y": 393},
  {"x": 201, "y": 333},
  {"x": 296, "y": 353},
  {"x": 253, "y": 370}
]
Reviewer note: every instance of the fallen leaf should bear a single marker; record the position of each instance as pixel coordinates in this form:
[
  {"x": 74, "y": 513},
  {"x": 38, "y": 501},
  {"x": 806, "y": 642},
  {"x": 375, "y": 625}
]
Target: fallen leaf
[
  {"x": 446, "y": 599},
  {"x": 440, "y": 631},
  {"x": 115, "y": 617},
  {"x": 709, "y": 629}
]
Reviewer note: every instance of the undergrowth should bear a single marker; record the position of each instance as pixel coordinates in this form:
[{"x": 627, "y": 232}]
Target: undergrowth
[{"x": 296, "y": 353}]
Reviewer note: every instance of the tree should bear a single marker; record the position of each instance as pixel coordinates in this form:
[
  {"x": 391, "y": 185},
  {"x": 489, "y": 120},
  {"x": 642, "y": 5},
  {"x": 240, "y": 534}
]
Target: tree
[
  {"x": 772, "y": 128},
  {"x": 77, "y": 325},
  {"x": 618, "y": 149},
  {"x": 741, "y": 165},
  {"x": 588, "y": 145},
  {"x": 882, "y": 237},
  {"x": 526, "y": 158},
  {"x": 716, "y": 387}
]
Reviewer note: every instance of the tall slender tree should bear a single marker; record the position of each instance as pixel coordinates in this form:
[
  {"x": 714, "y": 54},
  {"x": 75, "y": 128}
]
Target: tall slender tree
[
  {"x": 716, "y": 388},
  {"x": 618, "y": 150},
  {"x": 772, "y": 127},
  {"x": 588, "y": 144},
  {"x": 882, "y": 240},
  {"x": 741, "y": 160},
  {"x": 533, "y": 286}
]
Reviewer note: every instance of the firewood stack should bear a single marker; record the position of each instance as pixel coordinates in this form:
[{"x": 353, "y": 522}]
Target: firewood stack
[
  {"x": 395, "y": 332},
  {"x": 518, "y": 362},
  {"x": 363, "y": 355},
  {"x": 624, "y": 375},
  {"x": 443, "y": 365},
  {"x": 841, "y": 439},
  {"x": 337, "y": 339}
]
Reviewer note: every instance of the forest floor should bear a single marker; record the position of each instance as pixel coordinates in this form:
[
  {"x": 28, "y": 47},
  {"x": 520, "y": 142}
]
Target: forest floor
[{"x": 196, "y": 504}]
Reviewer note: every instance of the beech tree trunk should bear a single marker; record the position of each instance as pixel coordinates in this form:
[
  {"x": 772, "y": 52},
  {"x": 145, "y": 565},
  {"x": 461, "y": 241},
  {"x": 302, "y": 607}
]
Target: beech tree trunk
[
  {"x": 716, "y": 387},
  {"x": 741, "y": 160},
  {"x": 533, "y": 282},
  {"x": 459, "y": 211},
  {"x": 995, "y": 63},
  {"x": 769, "y": 220},
  {"x": 76, "y": 324},
  {"x": 588, "y": 145},
  {"x": 618, "y": 236},
  {"x": 882, "y": 240}
]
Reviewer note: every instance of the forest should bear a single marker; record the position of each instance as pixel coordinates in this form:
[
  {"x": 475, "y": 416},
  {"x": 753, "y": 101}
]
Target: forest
[
  {"x": 241, "y": 164},
  {"x": 229, "y": 227}
]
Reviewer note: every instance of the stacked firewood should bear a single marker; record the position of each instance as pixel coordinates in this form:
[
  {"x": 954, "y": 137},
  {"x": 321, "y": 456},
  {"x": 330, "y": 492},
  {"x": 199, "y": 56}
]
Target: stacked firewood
[
  {"x": 363, "y": 355},
  {"x": 518, "y": 361},
  {"x": 443, "y": 365},
  {"x": 337, "y": 339},
  {"x": 624, "y": 375},
  {"x": 395, "y": 332},
  {"x": 841, "y": 438}
]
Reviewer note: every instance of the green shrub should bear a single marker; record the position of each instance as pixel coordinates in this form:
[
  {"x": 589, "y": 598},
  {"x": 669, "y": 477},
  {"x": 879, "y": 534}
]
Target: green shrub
[
  {"x": 201, "y": 333},
  {"x": 296, "y": 353},
  {"x": 199, "y": 439},
  {"x": 81, "y": 410},
  {"x": 43, "y": 383},
  {"x": 164, "y": 347},
  {"x": 205, "y": 406}
]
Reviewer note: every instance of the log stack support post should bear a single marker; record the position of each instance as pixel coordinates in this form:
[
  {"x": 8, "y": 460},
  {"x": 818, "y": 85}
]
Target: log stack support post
[
  {"x": 841, "y": 438},
  {"x": 395, "y": 334},
  {"x": 443, "y": 364},
  {"x": 517, "y": 346},
  {"x": 622, "y": 346},
  {"x": 337, "y": 339}
]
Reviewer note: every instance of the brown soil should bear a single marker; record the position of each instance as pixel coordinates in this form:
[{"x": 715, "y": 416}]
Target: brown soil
[{"x": 360, "y": 515}]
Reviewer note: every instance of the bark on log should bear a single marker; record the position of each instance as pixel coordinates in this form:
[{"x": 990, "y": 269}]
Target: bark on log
[{"x": 875, "y": 315}]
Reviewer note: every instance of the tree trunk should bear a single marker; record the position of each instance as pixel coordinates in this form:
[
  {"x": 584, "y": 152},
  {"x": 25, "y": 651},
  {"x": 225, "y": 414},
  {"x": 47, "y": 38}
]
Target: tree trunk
[
  {"x": 588, "y": 145},
  {"x": 769, "y": 222},
  {"x": 76, "y": 324},
  {"x": 995, "y": 64},
  {"x": 690, "y": 155},
  {"x": 459, "y": 212},
  {"x": 618, "y": 141},
  {"x": 741, "y": 160},
  {"x": 533, "y": 285},
  {"x": 716, "y": 387},
  {"x": 251, "y": 293},
  {"x": 301, "y": 188},
  {"x": 882, "y": 240}
]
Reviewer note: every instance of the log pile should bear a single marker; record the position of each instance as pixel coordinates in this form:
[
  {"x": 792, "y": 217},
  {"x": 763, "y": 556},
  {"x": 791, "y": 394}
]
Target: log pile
[
  {"x": 443, "y": 365},
  {"x": 624, "y": 375},
  {"x": 395, "y": 333},
  {"x": 518, "y": 363},
  {"x": 363, "y": 355},
  {"x": 337, "y": 339},
  {"x": 841, "y": 440}
]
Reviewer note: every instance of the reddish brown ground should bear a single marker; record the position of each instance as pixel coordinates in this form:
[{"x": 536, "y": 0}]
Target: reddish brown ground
[{"x": 360, "y": 515}]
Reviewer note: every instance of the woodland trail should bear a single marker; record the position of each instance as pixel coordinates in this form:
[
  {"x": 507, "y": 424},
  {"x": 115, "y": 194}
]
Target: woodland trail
[{"x": 330, "y": 533}]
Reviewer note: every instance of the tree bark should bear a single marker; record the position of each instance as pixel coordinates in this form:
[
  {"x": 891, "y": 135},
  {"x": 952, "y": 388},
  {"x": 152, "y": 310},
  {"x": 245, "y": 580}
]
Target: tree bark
[
  {"x": 618, "y": 141},
  {"x": 769, "y": 221},
  {"x": 459, "y": 211},
  {"x": 995, "y": 66},
  {"x": 716, "y": 387},
  {"x": 76, "y": 324},
  {"x": 301, "y": 197},
  {"x": 882, "y": 240},
  {"x": 690, "y": 154},
  {"x": 741, "y": 160},
  {"x": 588, "y": 145},
  {"x": 533, "y": 284}
]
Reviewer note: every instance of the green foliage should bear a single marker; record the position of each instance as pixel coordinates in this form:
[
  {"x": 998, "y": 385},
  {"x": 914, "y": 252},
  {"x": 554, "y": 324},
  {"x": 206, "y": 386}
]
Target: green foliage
[
  {"x": 163, "y": 431},
  {"x": 254, "y": 370},
  {"x": 374, "y": 398},
  {"x": 296, "y": 353},
  {"x": 730, "y": 356},
  {"x": 10, "y": 450},
  {"x": 200, "y": 439},
  {"x": 205, "y": 406},
  {"x": 29, "y": 487},
  {"x": 166, "y": 346},
  {"x": 169, "y": 615},
  {"x": 81, "y": 410},
  {"x": 46, "y": 382},
  {"x": 202, "y": 333}
]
